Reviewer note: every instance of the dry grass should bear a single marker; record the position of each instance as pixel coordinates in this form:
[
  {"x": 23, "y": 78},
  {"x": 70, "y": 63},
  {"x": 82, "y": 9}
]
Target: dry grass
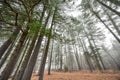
[{"x": 81, "y": 75}]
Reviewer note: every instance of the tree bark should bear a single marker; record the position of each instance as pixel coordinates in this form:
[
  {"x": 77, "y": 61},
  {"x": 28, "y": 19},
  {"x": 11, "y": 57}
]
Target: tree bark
[
  {"x": 28, "y": 71},
  {"x": 43, "y": 60},
  {"x": 44, "y": 57},
  {"x": 7, "y": 43},
  {"x": 2, "y": 61},
  {"x": 21, "y": 71},
  {"x": 50, "y": 60},
  {"x": 13, "y": 59},
  {"x": 22, "y": 56}
]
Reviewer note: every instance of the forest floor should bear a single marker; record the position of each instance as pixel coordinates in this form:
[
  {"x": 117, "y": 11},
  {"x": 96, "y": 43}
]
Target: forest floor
[{"x": 81, "y": 75}]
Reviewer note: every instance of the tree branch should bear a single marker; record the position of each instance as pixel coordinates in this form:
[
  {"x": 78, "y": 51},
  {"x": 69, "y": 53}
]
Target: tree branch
[
  {"x": 9, "y": 6},
  {"x": 12, "y": 24}
]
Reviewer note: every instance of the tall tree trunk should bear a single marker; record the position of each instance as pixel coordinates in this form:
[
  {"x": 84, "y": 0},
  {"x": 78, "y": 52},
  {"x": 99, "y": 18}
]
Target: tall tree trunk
[
  {"x": 43, "y": 60},
  {"x": 3, "y": 59},
  {"x": 20, "y": 72},
  {"x": 77, "y": 57},
  {"x": 111, "y": 57},
  {"x": 95, "y": 57},
  {"x": 105, "y": 25},
  {"x": 61, "y": 58},
  {"x": 7, "y": 43},
  {"x": 50, "y": 60},
  {"x": 58, "y": 59},
  {"x": 22, "y": 57},
  {"x": 7, "y": 53},
  {"x": 88, "y": 60},
  {"x": 116, "y": 12},
  {"x": 14, "y": 58},
  {"x": 114, "y": 24},
  {"x": 99, "y": 56},
  {"x": 28, "y": 71},
  {"x": 61, "y": 61},
  {"x": 65, "y": 61},
  {"x": 44, "y": 57},
  {"x": 12, "y": 38},
  {"x": 81, "y": 59}
]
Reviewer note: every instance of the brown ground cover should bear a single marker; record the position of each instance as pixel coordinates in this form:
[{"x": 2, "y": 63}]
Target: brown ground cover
[{"x": 81, "y": 75}]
